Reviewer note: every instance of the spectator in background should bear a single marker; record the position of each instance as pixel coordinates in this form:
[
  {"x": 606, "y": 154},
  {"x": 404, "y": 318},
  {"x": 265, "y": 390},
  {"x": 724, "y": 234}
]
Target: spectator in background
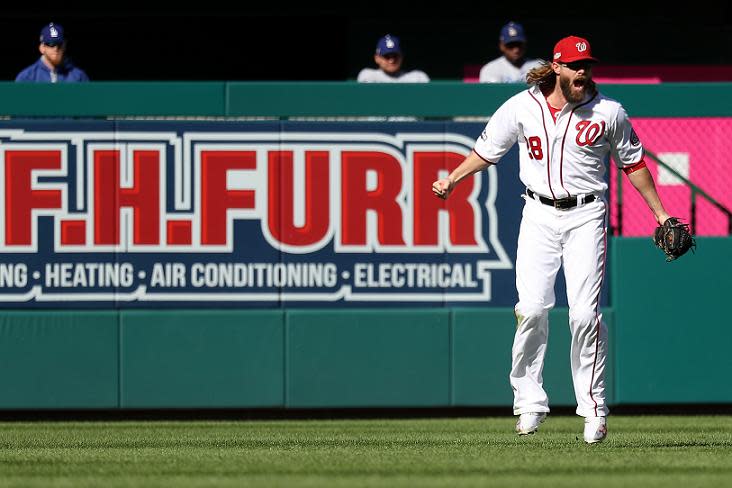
[
  {"x": 513, "y": 66},
  {"x": 389, "y": 58},
  {"x": 53, "y": 65}
]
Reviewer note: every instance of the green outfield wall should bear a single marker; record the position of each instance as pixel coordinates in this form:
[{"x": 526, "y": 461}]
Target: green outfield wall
[
  {"x": 669, "y": 344},
  {"x": 672, "y": 339},
  {"x": 669, "y": 334},
  {"x": 288, "y": 99},
  {"x": 284, "y": 358}
]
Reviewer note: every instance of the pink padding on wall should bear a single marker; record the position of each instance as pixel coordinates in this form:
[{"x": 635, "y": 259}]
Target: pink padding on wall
[
  {"x": 659, "y": 73},
  {"x": 637, "y": 81},
  {"x": 703, "y": 142},
  {"x": 662, "y": 73}
]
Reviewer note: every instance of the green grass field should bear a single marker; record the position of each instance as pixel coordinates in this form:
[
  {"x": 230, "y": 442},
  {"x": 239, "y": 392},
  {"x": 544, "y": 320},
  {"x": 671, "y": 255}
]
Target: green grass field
[{"x": 640, "y": 452}]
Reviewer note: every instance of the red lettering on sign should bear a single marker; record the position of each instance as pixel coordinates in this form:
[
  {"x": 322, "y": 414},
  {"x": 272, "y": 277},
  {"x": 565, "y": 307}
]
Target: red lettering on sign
[
  {"x": 216, "y": 200},
  {"x": 281, "y": 206},
  {"x": 73, "y": 232},
  {"x": 357, "y": 199},
  {"x": 110, "y": 197},
  {"x": 179, "y": 232},
  {"x": 20, "y": 198},
  {"x": 427, "y": 208}
]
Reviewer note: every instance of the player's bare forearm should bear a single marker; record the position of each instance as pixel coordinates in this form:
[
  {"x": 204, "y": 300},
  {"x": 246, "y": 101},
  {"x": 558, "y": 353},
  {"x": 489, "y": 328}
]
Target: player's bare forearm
[
  {"x": 470, "y": 165},
  {"x": 643, "y": 182}
]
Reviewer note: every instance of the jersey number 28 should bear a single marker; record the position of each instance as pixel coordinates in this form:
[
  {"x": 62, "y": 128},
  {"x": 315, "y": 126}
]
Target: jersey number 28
[{"x": 533, "y": 144}]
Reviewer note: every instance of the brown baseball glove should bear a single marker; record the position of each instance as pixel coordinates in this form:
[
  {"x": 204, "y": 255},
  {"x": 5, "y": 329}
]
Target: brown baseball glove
[{"x": 674, "y": 238}]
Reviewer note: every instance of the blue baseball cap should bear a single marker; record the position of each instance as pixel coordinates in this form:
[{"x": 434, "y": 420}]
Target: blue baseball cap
[
  {"x": 512, "y": 32},
  {"x": 388, "y": 45},
  {"x": 52, "y": 34}
]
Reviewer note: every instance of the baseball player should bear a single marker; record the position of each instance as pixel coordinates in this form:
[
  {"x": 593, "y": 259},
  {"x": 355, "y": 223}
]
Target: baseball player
[
  {"x": 389, "y": 57},
  {"x": 565, "y": 129},
  {"x": 513, "y": 65},
  {"x": 53, "y": 66}
]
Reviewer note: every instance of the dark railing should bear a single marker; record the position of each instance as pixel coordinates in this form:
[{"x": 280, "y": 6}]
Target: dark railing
[{"x": 695, "y": 192}]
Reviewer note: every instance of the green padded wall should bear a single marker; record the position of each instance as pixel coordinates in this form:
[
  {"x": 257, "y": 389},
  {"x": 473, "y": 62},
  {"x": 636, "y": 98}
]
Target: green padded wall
[
  {"x": 201, "y": 358},
  {"x": 673, "y": 334},
  {"x": 667, "y": 344},
  {"x": 368, "y": 358},
  {"x": 285, "y": 99},
  {"x": 482, "y": 340},
  {"x": 59, "y": 360}
]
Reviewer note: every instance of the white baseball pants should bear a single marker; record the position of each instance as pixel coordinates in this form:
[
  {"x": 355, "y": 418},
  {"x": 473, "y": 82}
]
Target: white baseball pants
[{"x": 549, "y": 238}]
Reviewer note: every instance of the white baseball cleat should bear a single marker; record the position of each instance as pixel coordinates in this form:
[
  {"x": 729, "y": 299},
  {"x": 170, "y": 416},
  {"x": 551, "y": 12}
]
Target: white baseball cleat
[
  {"x": 528, "y": 423},
  {"x": 595, "y": 429}
]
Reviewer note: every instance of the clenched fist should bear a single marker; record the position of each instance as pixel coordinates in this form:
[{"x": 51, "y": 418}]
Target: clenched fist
[{"x": 442, "y": 188}]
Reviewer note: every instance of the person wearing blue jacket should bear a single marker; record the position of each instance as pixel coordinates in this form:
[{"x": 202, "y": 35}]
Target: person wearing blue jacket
[{"x": 53, "y": 65}]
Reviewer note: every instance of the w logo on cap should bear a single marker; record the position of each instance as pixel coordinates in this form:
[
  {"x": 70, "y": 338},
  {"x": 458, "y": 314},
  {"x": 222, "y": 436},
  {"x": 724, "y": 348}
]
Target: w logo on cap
[{"x": 573, "y": 48}]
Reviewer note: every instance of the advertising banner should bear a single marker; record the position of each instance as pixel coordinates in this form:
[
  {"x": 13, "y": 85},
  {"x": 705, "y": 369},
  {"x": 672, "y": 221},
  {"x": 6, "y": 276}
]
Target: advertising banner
[{"x": 105, "y": 214}]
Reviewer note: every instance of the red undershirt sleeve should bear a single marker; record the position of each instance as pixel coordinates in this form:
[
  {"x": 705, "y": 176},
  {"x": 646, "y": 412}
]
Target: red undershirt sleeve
[{"x": 634, "y": 167}]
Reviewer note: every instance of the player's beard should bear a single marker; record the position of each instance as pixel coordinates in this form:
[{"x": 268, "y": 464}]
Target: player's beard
[{"x": 572, "y": 93}]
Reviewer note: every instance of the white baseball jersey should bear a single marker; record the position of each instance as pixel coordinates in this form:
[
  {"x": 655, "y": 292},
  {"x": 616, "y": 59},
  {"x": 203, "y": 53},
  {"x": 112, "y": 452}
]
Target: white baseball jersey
[
  {"x": 558, "y": 159},
  {"x": 501, "y": 70},
  {"x": 565, "y": 157},
  {"x": 371, "y": 75}
]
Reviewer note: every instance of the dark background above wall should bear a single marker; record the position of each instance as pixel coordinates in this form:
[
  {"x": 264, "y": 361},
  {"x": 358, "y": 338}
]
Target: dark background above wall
[{"x": 137, "y": 41}]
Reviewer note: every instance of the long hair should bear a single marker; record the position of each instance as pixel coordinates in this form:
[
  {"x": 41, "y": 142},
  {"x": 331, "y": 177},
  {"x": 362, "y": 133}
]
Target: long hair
[{"x": 543, "y": 76}]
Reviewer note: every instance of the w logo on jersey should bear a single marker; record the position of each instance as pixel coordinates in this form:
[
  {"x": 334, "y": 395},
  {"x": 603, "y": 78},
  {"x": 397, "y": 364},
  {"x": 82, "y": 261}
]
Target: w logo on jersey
[{"x": 589, "y": 132}]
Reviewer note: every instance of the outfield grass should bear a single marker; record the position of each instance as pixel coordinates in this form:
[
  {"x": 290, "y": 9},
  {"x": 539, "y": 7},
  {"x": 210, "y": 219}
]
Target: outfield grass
[{"x": 640, "y": 452}]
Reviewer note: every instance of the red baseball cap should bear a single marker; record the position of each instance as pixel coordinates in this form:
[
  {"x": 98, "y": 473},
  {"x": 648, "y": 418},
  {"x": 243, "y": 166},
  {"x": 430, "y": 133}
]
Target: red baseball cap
[{"x": 571, "y": 49}]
